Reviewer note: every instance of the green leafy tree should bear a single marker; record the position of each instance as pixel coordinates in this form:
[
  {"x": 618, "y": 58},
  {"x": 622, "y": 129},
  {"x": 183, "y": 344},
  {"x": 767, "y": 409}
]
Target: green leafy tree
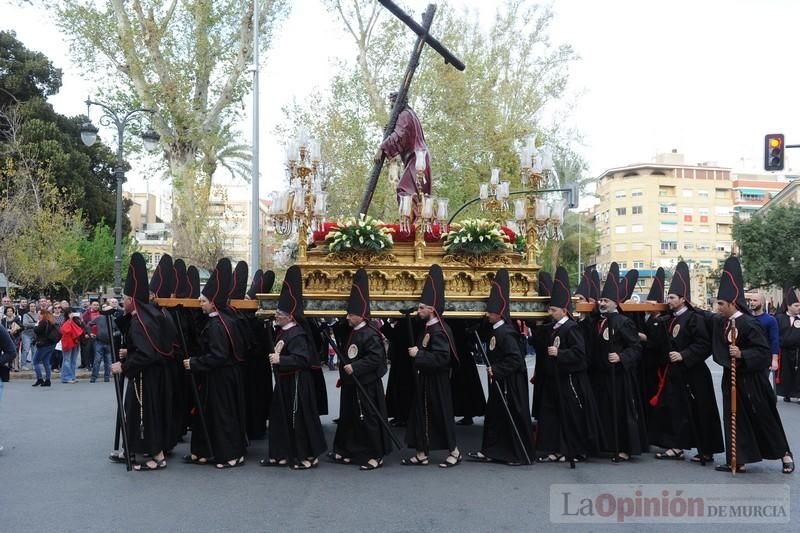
[
  {"x": 188, "y": 61},
  {"x": 96, "y": 265},
  {"x": 769, "y": 246}
]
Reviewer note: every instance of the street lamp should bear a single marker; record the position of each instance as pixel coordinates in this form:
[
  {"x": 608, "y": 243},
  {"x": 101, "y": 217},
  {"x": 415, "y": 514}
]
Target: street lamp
[{"x": 150, "y": 140}]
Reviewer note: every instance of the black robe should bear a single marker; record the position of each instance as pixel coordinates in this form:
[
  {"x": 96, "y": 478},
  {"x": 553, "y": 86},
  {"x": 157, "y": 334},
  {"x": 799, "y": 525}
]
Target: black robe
[
  {"x": 295, "y": 432},
  {"x": 221, "y": 396},
  {"x": 360, "y": 435},
  {"x": 320, "y": 350},
  {"x": 540, "y": 335},
  {"x": 430, "y": 423},
  {"x": 500, "y": 441},
  {"x": 147, "y": 405},
  {"x": 685, "y": 415},
  {"x": 465, "y": 382},
  {"x": 759, "y": 431},
  {"x": 400, "y": 387},
  {"x": 180, "y": 418},
  {"x": 788, "y": 381},
  {"x": 622, "y": 338},
  {"x": 569, "y": 422},
  {"x": 257, "y": 379}
]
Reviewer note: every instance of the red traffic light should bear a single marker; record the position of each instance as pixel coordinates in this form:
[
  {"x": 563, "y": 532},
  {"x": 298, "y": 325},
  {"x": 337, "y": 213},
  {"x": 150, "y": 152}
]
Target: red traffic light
[{"x": 773, "y": 151}]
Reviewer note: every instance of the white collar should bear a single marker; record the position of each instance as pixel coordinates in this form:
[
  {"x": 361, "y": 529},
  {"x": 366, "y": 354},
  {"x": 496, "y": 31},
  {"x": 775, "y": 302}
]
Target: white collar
[
  {"x": 498, "y": 324},
  {"x": 432, "y": 321},
  {"x": 361, "y": 325},
  {"x": 212, "y": 314},
  {"x": 680, "y": 311},
  {"x": 561, "y": 322},
  {"x": 736, "y": 315},
  {"x": 290, "y": 325}
]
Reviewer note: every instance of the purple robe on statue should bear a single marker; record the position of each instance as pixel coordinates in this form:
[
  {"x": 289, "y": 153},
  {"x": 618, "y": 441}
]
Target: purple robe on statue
[{"x": 406, "y": 138}]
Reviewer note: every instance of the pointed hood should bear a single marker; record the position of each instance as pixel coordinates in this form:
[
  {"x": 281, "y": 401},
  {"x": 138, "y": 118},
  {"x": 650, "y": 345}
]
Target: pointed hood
[
  {"x": 255, "y": 285},
  {"x": 239, "y": 281},
  {"x": 162, "y": 284},
  {"x": 545, "y": 284},
  {"x": 499, "y": 296},
  {"x": 681, "y": 283},
  {"x": 291, "y": 298},
  {"x": 136, "y": 282},
  {"x": 629, "y": 283},
  {"x": 656, "y": 293},
  {"x": 433, "y": 289},
  {"x": 561, "y": 291},
  {"x": 193, "y": 278},
  {"x": 612, "y": 289},
  {"x": 218, "y": 285},
  {"x": 731, "y": 284},
  {"x": 790, "y": 296},
  {"x": 267, "y": 281},
  {"x": 594, "y": 288},
  {"x": 182, "y": 287},
  {"x": 358, "y": 303},
  {"x": 585, "y": 283}
]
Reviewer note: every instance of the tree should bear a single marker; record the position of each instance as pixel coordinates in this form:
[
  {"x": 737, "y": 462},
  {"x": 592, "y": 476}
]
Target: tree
[
  {"x": 769, "y": 246},
  {"x": 187, "y": 60},
  {"x": 96, "y": 260},
  {"x": 24, "y": 74},
  {"x": 471, "y": 119}
]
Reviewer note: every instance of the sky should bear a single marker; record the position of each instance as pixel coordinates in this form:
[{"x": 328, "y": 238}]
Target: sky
[{"x": 706, "y": 77}]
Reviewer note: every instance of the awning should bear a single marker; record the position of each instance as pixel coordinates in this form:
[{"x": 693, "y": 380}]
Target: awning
[
  {"x": 668, "y": 222},
  {"x": 753, "y": 192}
]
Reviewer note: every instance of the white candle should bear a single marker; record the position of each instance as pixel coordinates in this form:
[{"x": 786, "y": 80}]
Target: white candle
[
  {"x": 484, "y": 193},
  {"x": 320, "y": 203},
  {"x": 520, "y": 209},
  {"x": 442, "y": 208},
  {"x": 420, "y": 160},
  {"x": 495, "y": 179},
  {"x": 427, "y": 207}
]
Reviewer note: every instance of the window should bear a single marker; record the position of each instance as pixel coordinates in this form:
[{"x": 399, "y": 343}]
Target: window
[
  {"x": 667, "y": 209},
  {"x": 688, "y": 211},
  {"x": 722, "y": 211},
  {"x": 724, "y": 246},
  {"x": 636, "y": 210},
  {"x": 702, "y": 194},
  {"x": 638, "y": 246},
  {"x": 668, "y": 226},
  {"x": 751, "y": 195},
  {"x": 687, "y": 193},
  {"x": 603, "y": 249},
  {"x": 688, "y": 246},
  {"x": 703, "y": 210},
  {"x": 688, "y": 229},
  {"x": 636, "y": 192},
  {"x": 621, "y": 229},
  {"x": 666, "y": 190},
  {"x": 637, "y": 228},
  {"x": 705, "y": 229},
  {"x": 687, "y": 218},
  {"x": 621, "y": 211},
  {"x": 721, "y": 194},
  {"x": 619, "y": 194},
  {"x": 669, "y": 245},
  {"x": 704, "y": 218},
  {"x": 623, "y": 265},
  {"x": 621, "y": 247},
  {"x": 724, "y": 228},
  {"x": 638, "y": 264},
  {"x": 703, "y": 246}
]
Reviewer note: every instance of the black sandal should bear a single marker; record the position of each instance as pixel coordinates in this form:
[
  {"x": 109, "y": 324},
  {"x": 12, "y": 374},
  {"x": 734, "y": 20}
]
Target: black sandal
[
  {"x": 447, "y": 464},
  {"x": 478, "y": 457},
  {"x": 670, "y": 455},
  {"x": 368, "y": 466},
  {"x": 552, "y": 458},
  {"x": 416, "y": 461},
  {"x": 117, "y": 458},
  {"x": 620, "y": 458},
  {"x": 339, "y": 459},
  {"x": 225, "y": 465},
  {"x": 699, "y": 458},
  {"x": 788, "y": 466},
  {"x": 192, "y": 459},
  {"x": 160, "y": 465},
  {"x": 273, "y": 462},
  {"x": 740, "y": 469},
  {"x": 302, "y": 466}
]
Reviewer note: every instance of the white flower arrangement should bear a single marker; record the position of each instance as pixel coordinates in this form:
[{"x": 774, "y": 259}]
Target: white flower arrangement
[
  {"x": 362, "y": 234},
  {"x": 476, "y": 236}
]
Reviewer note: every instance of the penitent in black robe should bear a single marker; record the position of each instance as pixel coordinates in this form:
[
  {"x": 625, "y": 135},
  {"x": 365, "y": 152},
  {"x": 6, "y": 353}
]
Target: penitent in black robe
[
  {"x": 759, "y": 431},
  {"x": 500, "y": 441},
  {"x": 430, "y": 424},
  {"x": 360, "y": 435},
  {"x": 257, "y": 379},
  {"x": 788, "y": 380},
  {"x": 569, "y": 422},
  {"x": 685, "y": 413},
  {"x": 147, "y": 397},
  {"x": 615, "y": 333},
  {"x": 468, "y": 397},
  {"x": 295, "y": 432},
  {"x": 400, "y": 387},
  {"x": 221, "y": 396}
]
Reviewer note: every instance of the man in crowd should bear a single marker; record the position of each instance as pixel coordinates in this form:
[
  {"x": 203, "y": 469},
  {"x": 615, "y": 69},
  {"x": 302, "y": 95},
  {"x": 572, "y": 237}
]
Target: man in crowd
[
  {"x": 787, "y": 378},
  {"x": 97, "y": 328},
  {"x": 739, "y": 339},
  {"x": 758, "y": 306}
]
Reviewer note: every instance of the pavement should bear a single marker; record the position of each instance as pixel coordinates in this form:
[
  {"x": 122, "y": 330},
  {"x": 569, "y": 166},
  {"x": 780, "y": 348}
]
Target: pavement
[{"x": 56, "y": 478}]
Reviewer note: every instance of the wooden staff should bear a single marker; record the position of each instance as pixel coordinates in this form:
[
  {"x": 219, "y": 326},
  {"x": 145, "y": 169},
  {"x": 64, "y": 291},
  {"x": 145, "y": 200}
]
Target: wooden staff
[
  {"x": 122, "y": 422},
  {"x": 733, "y": 334}
]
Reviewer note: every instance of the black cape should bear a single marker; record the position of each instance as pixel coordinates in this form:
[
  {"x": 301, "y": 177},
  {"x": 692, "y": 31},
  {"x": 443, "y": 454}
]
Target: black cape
[
  {"x": 430, "y": 424},
  {"x": 360, "y": 435},
  {"x": 569, "y": 422},
  {"x": 401, "y": 383},
  {"x": 465, "y": 382},
  {"x": 221, "y": 396},
  {"x": 499, "y": 441},
  {"x": 257, "y": 378},
  {"x": 788, "y": 380},
  {"x": 295, "y": 432},
  {"x": 617, "y": 333},
  {"x": 759, "y": 431}
]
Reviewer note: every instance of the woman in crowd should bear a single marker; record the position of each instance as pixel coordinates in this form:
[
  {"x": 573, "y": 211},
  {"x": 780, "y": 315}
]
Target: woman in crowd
[
  {"x": 13, "y": 324},
  {"x": 46, "y": 335},
  {"x": 71, "y": 333},
  {"x": 30, "y": 317},
  {"x": 58, "y": 318}
]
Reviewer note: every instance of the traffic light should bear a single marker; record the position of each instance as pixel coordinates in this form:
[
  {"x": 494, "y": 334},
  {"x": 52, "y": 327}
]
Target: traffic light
[{"x": 774, "y": 149}]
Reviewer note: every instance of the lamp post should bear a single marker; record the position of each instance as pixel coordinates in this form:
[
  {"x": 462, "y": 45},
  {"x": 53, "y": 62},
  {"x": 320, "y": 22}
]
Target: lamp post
[{"x": 150, "y": 140}]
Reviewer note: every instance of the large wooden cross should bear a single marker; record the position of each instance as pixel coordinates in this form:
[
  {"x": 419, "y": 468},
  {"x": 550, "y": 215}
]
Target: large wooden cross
[{"x": 423, "y": 37}]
